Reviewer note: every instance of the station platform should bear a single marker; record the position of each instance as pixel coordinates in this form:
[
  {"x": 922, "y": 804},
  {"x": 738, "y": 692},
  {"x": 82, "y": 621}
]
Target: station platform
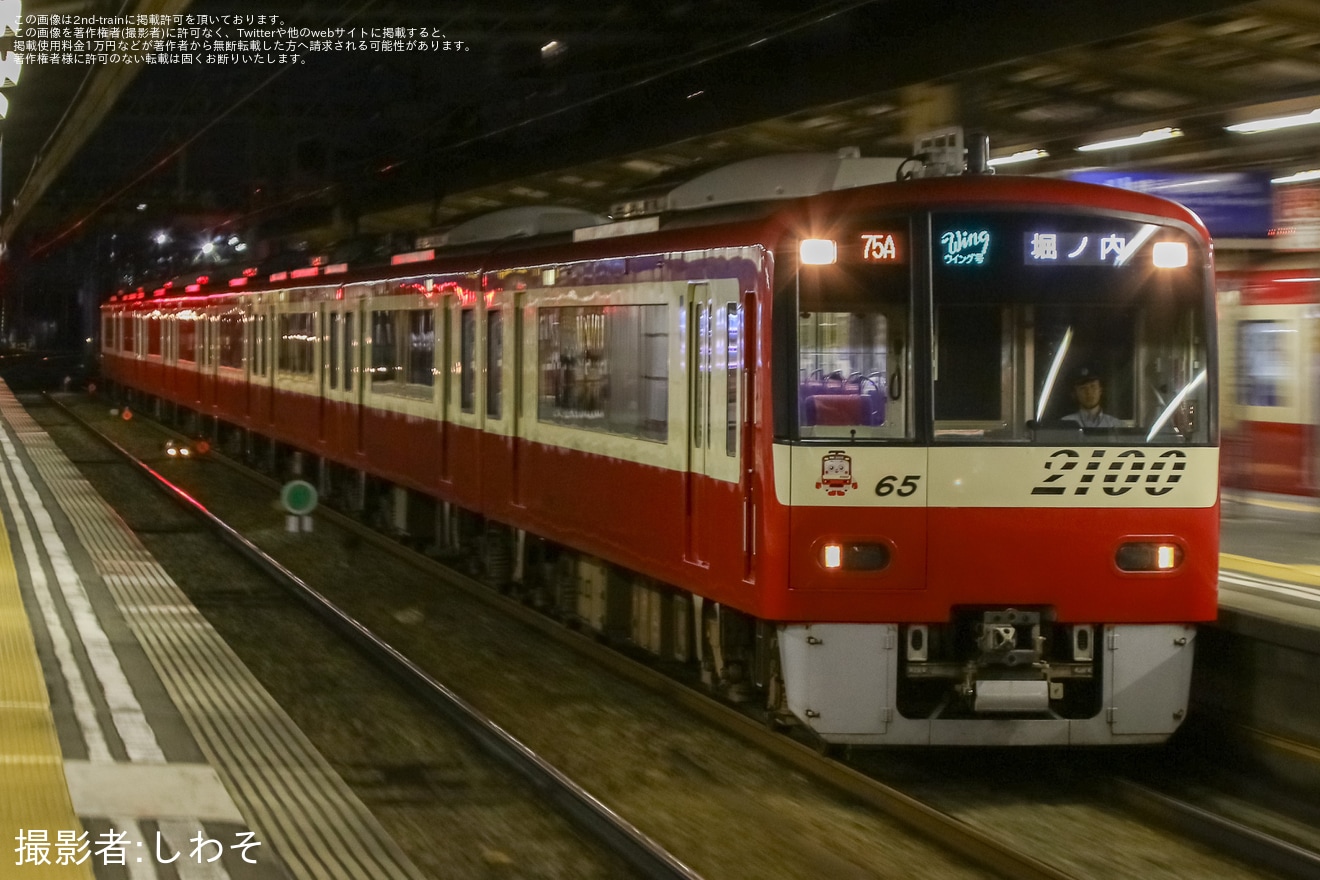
[
  {"x": 1269, "y": 567},
  {"x": 122, "y": 752}
]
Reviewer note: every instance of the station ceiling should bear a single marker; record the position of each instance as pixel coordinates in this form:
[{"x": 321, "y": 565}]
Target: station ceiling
[{"x": 587, "y": 104}]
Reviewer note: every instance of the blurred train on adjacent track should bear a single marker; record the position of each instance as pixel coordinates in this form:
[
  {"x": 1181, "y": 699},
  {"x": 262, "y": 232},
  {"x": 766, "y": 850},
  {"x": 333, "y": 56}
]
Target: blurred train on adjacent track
[
  {"x": 796, "y": 428},
  {"x": 1269, "y": 313}
]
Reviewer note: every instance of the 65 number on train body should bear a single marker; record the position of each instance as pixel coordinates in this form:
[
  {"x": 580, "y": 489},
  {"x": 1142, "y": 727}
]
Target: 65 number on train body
[{"x": 890, "y": 485}]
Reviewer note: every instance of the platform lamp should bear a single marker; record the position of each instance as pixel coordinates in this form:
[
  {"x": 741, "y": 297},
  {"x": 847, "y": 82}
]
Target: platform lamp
[
  {"x": 11, "y": 18},
  {"x": 11, "y": 63}
]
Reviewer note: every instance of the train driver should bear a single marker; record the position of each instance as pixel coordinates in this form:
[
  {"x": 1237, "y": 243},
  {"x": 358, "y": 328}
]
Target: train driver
[{"x": 1089, "y": 392}]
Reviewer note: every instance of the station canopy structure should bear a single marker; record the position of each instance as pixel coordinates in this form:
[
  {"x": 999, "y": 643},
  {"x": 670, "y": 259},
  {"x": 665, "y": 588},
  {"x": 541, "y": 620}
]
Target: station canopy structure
[{"x": 385, "y": 119}]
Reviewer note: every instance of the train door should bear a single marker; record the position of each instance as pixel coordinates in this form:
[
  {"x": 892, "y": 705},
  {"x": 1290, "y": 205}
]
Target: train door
[
  {"x": 716, "y": 513},
  {"x": 192, "y": 380},
  {"x": 323, "y": 366},
  {"x": 354, "y": 378},
  {"x": 739, "y": 382},
  {"x": 714, "y": 437},
  {"x": 266, "y": 322},
  {"x": 700, "y": 350},
  {"x": 208, "y": 368},
  {"x": 335, "y": 360},
  {"x": 501, "y": 391},
  {"x": 249, "y": 368},
  {"x": 444, "y": 370}
]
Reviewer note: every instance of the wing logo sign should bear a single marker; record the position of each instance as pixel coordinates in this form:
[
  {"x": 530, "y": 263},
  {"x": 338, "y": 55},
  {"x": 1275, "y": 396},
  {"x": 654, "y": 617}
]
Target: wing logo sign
[{"x": 1111, "y": 472}]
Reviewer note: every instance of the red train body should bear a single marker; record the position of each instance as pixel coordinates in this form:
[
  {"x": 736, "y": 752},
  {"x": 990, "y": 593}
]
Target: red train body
[
  {"x": 1270, "y": 339},
  {"x": 815, "y": 445}
]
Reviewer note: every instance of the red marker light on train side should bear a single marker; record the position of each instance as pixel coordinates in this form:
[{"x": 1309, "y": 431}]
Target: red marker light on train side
[{"x": 1148, "y": 556}]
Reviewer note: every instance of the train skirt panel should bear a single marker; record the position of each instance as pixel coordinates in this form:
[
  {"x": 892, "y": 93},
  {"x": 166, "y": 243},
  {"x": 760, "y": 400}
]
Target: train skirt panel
[{"x": 846, "y": 682}]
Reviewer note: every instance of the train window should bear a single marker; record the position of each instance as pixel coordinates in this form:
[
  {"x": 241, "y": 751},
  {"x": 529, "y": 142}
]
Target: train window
[
  {"x": 386, "y": 358},
  {"x": 185, "y": 329},
  {"x": 1021, "y": 301},
  {"x": 403, "y": 351},
  {"x": 231, "y": 339},
  {"x": 128, "y": 332},
  {"x": 154, "y": 334},
  {"x": 297, "y": 344},
  {"x": 421, "y": 347},
  {"x": 605, "y": 369},
  {"x": 494, "y": 363},
  {"x": 852, "y": 351},
  {"x": 467, "y": 356},
  {"x": 1265, "y": 350}
]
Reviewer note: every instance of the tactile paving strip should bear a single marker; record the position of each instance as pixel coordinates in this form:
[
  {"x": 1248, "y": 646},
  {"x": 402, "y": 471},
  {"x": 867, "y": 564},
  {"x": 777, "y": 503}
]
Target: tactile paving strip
[
  {"x": 35, "y": 795},
  {"x": 289, "y": 795}
]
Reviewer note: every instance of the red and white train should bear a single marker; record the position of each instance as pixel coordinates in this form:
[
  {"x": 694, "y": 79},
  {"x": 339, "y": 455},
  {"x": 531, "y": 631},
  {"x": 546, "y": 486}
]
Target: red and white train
[
  {"x": 801, "y": 429},
  {"x": 1270, "y": 343}
]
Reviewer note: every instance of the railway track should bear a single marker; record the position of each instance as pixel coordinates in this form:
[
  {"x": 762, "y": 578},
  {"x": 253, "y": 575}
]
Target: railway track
[
  {"x": 976, "y": 841},
  {"x": 594, "y": 818},
  {"x": 632, "y": 852},
  {"x": 1215, "y": 828}
]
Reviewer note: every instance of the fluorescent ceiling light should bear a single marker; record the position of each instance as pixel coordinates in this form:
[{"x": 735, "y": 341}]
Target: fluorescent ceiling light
[
  {"x": 11, "y": 17},
  {"x": 1299, "y": 177},
  {"x": 1275, "y": 122},
  {"x": 11, "y": 67},
  {"x": 1146, "y": 137},
  {"x": 1020, "y": 156}
]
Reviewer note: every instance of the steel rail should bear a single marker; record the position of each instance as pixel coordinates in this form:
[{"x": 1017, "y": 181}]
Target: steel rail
[
  {"x": 635, "y": 847},
  {"x": 978, "y": 847},
  {"x": 1248, "y": 844}
]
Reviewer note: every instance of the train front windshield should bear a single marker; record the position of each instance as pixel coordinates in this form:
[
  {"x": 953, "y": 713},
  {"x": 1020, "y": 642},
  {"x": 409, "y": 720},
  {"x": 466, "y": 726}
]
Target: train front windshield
[{"x": 1053, "y": 329}]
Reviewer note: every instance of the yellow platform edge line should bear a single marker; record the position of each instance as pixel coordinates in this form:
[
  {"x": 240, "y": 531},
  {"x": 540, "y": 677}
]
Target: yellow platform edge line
[
  {"x": 1276, "y": 503},
  {"x": 36, "y": 793},
  {"x": 1307, "y": 575}
]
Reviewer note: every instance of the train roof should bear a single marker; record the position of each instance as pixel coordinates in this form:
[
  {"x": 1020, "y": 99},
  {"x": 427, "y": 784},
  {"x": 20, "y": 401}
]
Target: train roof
[{"x": 750, "y": 202}]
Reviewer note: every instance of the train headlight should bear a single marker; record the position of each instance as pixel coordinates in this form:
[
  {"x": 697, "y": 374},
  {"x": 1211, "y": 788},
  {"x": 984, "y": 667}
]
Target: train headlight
[
  {"x": 1169, "y": 254},
  {"x": 174, "y": 450},
  {"x": 818, "y": 251},
  {"x": 1148, "y": 556},
  {"x": 853, "y": 556}
]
